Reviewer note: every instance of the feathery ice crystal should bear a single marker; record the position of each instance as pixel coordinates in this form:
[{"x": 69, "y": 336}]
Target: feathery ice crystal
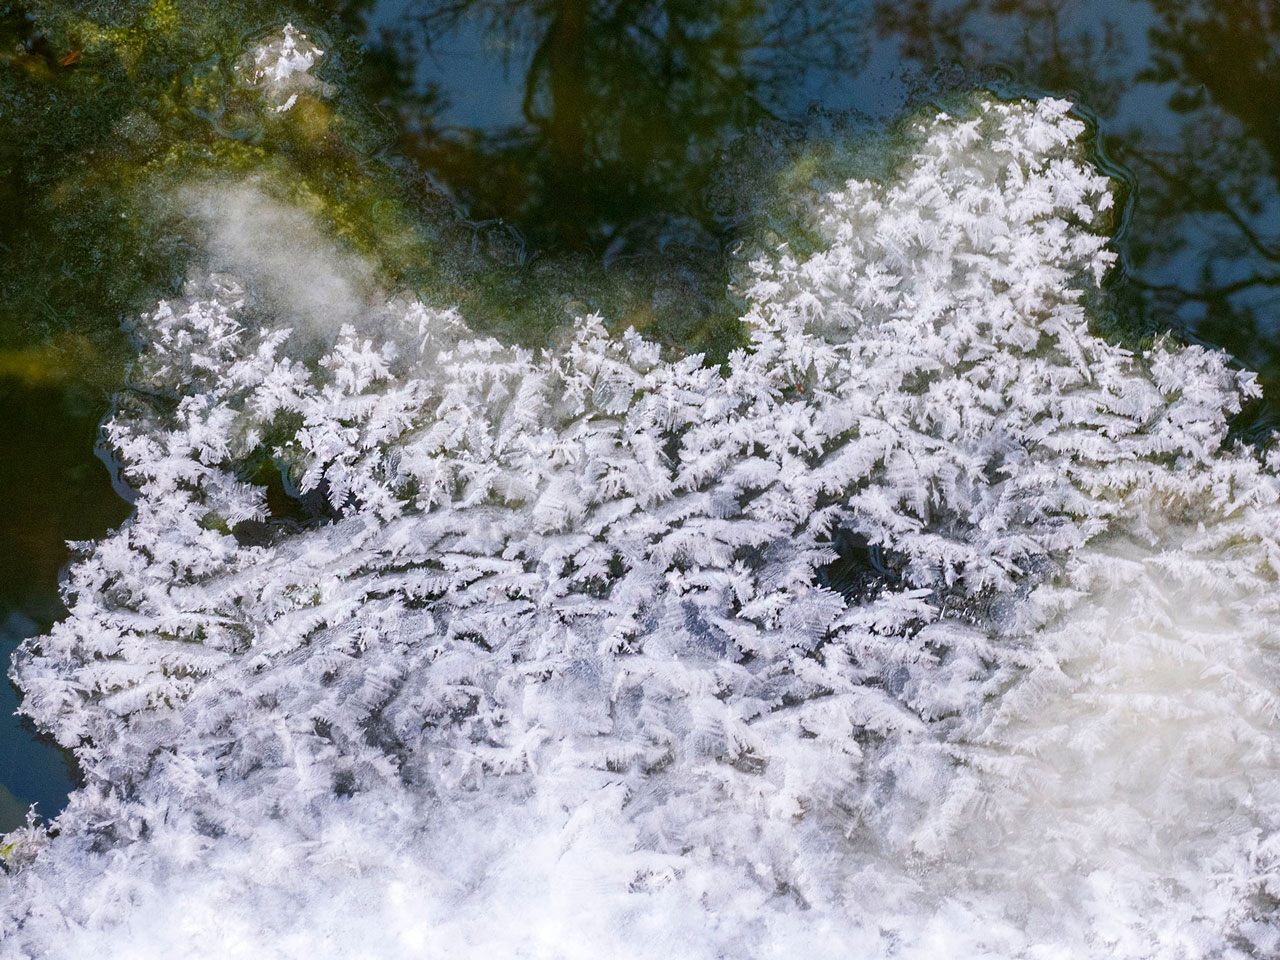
[
  {"x": 281, "y": 65},
  {"x": 560, "y": 671}
]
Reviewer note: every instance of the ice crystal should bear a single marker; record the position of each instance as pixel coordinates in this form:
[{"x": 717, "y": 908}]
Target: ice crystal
[
  {"x": 558, "y": 666},
  {"x": 281, "y": 65}
]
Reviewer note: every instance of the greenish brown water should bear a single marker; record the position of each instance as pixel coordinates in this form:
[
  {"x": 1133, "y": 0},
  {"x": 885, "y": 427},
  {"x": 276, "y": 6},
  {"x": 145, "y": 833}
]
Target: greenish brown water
[{"x": 528, "y": 158}]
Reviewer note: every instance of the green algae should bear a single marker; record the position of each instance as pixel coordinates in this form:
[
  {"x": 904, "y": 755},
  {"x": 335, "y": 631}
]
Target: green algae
[
  {"x": 104, "y": 118},
  {"x": 12, "y": 810},
  {"x": 107, "y": 111},
  {"x": 116, "y": 108}
]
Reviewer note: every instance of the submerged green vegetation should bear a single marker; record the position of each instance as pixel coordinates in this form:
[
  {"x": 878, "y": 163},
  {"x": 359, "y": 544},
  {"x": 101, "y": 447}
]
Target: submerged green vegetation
[
  {"x": 111, "y": 112},
  {"x": 108, "y": 112}
]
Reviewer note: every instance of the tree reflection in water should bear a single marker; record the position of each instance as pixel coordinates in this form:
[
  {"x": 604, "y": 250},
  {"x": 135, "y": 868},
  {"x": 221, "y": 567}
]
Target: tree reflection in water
[
  {"x": 1185, "y": 93},
  {"x": 620, "y": 113},
  {"x": 624, "y": 107}
]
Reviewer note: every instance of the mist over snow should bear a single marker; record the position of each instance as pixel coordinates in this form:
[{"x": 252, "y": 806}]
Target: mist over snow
[
  {"x": 279, "y": 253},
  {"x": 558, "y": 674}
]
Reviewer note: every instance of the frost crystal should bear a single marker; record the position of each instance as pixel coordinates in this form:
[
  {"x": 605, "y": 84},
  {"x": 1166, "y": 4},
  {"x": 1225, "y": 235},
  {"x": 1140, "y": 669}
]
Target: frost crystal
[
  {"x": 558, "y": 667},
  {"x": 280, "y": 66}
]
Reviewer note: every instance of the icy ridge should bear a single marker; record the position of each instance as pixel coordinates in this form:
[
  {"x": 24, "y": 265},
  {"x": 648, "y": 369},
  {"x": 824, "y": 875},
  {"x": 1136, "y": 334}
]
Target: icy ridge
[{"x": 560, "y": 675}]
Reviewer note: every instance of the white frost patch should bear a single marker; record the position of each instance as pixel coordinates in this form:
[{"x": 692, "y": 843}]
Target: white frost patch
[
  {"x": 562, "y": 678},
  {"x": 280, "y": 66}
]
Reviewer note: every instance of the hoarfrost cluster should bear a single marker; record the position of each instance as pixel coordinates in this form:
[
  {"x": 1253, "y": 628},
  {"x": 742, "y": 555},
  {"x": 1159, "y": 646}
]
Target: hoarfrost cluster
[
  {"x": 280, "y": 66},
  {"x": 562, "y": 663}
]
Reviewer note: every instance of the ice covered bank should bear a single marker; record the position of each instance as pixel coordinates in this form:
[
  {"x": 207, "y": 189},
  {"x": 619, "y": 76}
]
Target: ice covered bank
[{"x": 558, "y": 675}]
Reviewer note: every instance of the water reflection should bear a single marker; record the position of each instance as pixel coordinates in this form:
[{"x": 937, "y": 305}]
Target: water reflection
[{"x": 598, "y": 124}]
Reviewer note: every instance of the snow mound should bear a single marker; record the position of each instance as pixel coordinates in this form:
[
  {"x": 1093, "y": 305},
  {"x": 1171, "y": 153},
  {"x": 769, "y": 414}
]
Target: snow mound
[{"x": 556, "y": 666}]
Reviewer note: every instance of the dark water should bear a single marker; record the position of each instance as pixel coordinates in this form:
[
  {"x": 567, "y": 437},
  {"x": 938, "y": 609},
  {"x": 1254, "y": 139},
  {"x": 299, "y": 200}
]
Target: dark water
[
  {"x": 577, "y": 120},
  {"x": 575, "y": 139},
  {"x": 52, "y": 489}
]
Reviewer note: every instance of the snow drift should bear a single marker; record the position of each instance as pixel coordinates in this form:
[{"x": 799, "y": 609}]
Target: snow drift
[{"x": 558, "y": 665}]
